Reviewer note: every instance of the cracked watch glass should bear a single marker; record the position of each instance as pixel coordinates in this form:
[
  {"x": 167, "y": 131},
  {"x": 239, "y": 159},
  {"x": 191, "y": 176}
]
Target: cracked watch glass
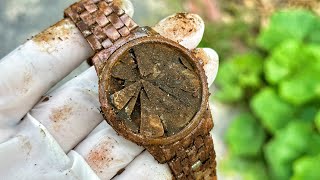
[{"x": 154, "y": 89}]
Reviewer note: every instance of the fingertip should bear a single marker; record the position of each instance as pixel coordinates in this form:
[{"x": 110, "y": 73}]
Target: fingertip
[
  {"x": 185, "y": 28},
  {"x": 213, "y": 55},
  {"x": 145, "y": 167},
  {"x": 126, "y": 5},
  {"x": 210, "y": 60}
]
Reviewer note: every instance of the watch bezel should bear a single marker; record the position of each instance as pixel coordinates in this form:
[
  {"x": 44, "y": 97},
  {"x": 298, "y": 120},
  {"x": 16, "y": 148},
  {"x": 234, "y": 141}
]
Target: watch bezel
[{"x": 118, "y": 125}]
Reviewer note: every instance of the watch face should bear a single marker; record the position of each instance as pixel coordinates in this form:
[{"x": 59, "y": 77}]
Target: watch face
[{"x": 153, "y": 90}]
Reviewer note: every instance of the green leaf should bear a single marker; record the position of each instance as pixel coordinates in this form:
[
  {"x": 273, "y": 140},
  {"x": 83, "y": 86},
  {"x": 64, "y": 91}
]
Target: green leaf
[
  {"x": 237, "y": 75},
  {"x": 317, "y": 121},
  {"x": 284, "y": 61},
  {"x": 229, "y": 90},
  {"x": 307, "y": 113},
  {"x": 284, "y": 25},
  {"x": 304, "y": 85},
  {"x": 273, "y": 112},
  {"x": 307, "y": 168},
  {"x": 296, "y": 67},
  {"x": 314, "y": 147},
  {"x": 314, "y": 35},
  {"x": 229, "y": 93},
  {"x": 302, "y": 88},
  {"x": 296, "y": 136},
  {"x": 287, "y": 145},
  {"x": 276, "y": 154},
  {"x": 249, "y": 68},
  {"x": 242, "y": 130}
]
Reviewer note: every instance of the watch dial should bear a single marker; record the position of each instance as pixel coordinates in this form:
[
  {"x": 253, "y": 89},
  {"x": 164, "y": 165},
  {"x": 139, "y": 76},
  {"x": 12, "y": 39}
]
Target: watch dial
[{"x": 154, "y": 89}]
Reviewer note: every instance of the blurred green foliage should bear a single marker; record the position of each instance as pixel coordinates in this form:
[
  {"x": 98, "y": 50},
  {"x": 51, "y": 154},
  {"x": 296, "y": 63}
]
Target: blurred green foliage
[
  {"x": 249, "y": 169},
  {"x": 253, "y": 133},
  {"x": 228, "y": 38},
  {"x": 237, "y": 78},
  {"x": 287, "y": 25},
  {"x": 273, "y": 112},
  {"x": 307, "y": 168},
  {"x": 278, "y": 80}
]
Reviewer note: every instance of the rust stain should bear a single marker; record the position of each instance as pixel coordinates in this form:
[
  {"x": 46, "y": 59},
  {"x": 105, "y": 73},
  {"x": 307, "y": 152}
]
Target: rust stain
[
  {"x": 178, "y": 26},
  {"x": 118, "y": 3},
  {"x": 100, "y": 156},
  {"x": 58, "y": 32},
  {"x": 58, "y": 115},
  {"x": 201, "y": 55}
]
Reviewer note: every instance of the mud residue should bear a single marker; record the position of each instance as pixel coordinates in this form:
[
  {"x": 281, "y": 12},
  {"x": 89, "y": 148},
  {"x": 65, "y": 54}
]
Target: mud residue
[
  {"x": 201, "y": 55},
  {"x": 178, "y": 26},
  {"x": 25, "y": 144},
  {"x": 59, "y": 115},
  {"x": 45, "y": 99},
  {"x": 48, "y": 39},
  {"x": 100, "y": 157}
]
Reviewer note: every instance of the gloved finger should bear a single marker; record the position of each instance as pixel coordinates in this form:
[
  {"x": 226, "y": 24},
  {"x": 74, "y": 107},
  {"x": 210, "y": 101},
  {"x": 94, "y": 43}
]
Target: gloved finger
[
  {"x": 34, "y": 154},
  {"x": 210, "y": 60},
  {"x": 144, "y": 167},
  {"x": 29, "y": 71},
  {"x": 71, "y": 112},
  {"x": 33, "y": 68},
  {"x": 184, "y": 28},
  {"x": 106, "y": 152}
]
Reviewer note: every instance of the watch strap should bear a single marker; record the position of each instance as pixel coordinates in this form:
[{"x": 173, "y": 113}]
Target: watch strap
[
  {"x": 193, "y": 157},
  {"x": 196, "y": 161},
  {"x": 101, "y": 22}
]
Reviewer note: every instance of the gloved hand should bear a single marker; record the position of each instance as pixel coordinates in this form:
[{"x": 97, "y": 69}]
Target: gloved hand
[{"x": 60, "y": 133}]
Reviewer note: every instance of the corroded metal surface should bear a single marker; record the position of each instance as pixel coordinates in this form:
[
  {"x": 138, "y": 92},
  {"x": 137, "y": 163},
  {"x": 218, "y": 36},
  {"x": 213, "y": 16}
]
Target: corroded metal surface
[
  {"x": 101, "y": 22},
  {"x": 155, "y": 90},
  {"x": 152, "y": 90},
  {"x": 153, "y": 77},
  {"x": 193, "y": 157}
]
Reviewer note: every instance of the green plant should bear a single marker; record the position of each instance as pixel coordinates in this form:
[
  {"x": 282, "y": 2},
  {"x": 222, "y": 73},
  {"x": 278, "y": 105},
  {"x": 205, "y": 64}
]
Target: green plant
[
  {"x": 279, "y": 83},
  {"x": 254, "y": 134}
]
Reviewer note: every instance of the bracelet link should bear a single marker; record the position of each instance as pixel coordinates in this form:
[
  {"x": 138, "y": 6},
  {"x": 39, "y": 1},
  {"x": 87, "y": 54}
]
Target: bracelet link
[{"x": 100, "y": 21}]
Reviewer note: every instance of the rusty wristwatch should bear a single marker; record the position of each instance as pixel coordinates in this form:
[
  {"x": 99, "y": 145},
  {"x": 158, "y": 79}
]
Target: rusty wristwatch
[{"x": 152, "y": 90}]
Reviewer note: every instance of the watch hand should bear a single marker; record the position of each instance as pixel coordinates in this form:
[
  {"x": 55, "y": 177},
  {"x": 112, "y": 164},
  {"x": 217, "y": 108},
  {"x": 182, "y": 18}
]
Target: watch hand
[
  {"x": 125, "y": 71},
  {"x": 122, "y": 97},
  {"x": 145, "y": 67},
  {"x": 151, "y": 125}
]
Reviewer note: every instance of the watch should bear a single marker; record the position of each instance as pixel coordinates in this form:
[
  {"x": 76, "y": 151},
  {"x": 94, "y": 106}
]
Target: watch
[{"x": 152, "y": 90}]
